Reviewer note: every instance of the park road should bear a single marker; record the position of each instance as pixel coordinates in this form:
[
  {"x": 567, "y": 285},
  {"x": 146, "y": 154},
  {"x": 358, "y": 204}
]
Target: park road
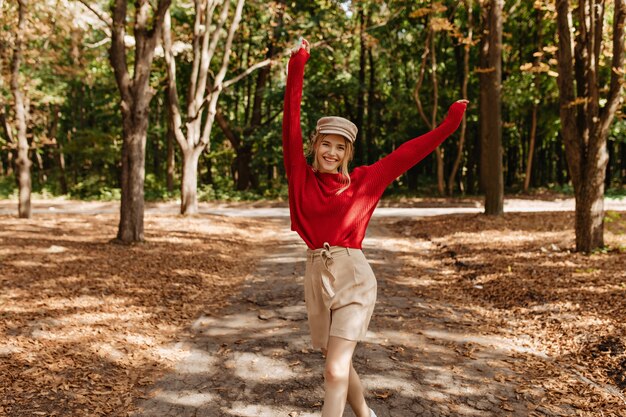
[{"x": 421, "y": 356}]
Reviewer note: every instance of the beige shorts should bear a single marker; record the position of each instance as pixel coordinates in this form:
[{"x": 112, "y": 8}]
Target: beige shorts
[{"x": 340, "y": 293}]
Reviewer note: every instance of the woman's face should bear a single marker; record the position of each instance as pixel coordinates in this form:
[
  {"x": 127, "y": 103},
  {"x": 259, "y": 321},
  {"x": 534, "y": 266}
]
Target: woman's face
[{"x": 330, "y": 153}]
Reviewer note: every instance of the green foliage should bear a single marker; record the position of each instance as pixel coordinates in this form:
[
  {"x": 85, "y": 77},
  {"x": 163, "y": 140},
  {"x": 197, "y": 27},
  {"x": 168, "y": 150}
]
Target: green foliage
[
  {"x": 8, "y": 188},
  {"x": 68, "y": 74}
]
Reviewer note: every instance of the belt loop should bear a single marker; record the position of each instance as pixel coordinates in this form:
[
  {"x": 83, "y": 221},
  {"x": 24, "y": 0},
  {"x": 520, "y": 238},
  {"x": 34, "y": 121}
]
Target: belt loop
[{"x": 348, "y": 250}]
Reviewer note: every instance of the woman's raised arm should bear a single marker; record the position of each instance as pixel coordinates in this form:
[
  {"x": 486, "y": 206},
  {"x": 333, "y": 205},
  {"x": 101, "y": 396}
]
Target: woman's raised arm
[
  {"x": 293, "y": 151},
  {"x": 411, "y": 152}
]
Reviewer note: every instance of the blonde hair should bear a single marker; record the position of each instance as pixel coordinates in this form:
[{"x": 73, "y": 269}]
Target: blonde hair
[{"x": 316, "y": 138}]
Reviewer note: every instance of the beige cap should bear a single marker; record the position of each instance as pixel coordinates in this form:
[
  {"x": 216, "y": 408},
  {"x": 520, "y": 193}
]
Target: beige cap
[{"x": 337, "y": 125}]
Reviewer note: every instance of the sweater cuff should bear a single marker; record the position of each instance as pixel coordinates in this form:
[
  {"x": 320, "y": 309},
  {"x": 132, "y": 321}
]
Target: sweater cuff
[
  {"x": 299, "y": 58},
  {"x": 456, "y": 110}
]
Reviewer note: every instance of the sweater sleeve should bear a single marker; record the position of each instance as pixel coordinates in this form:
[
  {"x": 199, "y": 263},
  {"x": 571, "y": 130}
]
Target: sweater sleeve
[
  {"x": 293, "y": 151},
  {"x": 387, "y": 169}
]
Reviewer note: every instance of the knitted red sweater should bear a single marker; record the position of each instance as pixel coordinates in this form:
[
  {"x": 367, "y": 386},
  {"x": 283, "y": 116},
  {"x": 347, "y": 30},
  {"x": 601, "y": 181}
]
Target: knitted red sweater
[{"x": 317, "y": 213}]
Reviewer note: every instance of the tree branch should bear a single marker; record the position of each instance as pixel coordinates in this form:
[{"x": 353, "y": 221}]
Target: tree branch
[
  {"x": 247, "y": 72},
  {"x": 118, "y": 49},
  {"x": 103, "y": 18},
  {"x": 219, "y": 78},
  {"x": 617, "y": 65},
  {"x": 172, "y": 91},
  {"x": 565, "y": 81},
  {"x": 420, "y": 80}
]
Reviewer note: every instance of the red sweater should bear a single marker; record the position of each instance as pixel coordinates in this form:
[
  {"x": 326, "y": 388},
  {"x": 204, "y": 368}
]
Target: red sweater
[{"x": 318, "y": 214}]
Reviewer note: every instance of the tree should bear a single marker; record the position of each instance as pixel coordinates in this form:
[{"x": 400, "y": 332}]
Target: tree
[
  {"x": 136, "y": 95},
  {"x": 435, "y": 25},
  {"x": 491, "y": 107},
  {"x": 586, "y": 116},
  {"x": 466, "y": 41},
  {"x": 23, "y": 161},
  {"x": 203, "y": 93}
]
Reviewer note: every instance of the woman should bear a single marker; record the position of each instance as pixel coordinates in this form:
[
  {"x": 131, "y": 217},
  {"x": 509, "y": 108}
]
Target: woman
[{"x": 330, "y": 209}]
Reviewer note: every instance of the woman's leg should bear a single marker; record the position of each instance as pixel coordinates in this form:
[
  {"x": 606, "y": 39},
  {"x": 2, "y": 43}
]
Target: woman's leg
[
  {"x": 337, "y": 375},
  {"x": 356, "y": 399}
]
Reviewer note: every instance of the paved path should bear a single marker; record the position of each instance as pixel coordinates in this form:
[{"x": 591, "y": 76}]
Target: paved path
[
  {"x": 421, "y": 358},
  {"x": 513, "y": 205}
]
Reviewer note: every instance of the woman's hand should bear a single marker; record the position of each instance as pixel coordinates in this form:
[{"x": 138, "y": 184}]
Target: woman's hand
[
  {"x": 463, "y": 101},
  {"x": 304, "y": 44}
]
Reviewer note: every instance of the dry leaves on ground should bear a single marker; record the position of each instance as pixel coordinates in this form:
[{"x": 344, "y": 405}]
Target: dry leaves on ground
[
  {"x": 85, "y": 323},
  {"x": 519, "y": 273}
]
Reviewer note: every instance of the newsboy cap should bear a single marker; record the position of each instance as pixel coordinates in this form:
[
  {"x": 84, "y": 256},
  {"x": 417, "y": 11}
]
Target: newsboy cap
[{"x": 337, "y": 125}]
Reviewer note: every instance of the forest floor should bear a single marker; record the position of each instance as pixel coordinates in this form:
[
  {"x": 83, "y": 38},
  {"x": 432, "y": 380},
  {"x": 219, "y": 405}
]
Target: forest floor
[{"x": 476, "y": 316}]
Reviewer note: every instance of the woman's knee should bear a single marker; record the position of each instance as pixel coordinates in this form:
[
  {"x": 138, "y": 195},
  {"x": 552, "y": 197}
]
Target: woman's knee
[{"x": 335, "y": 372}]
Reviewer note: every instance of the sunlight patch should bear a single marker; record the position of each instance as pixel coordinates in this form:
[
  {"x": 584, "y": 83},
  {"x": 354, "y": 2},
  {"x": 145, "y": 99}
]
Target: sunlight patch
[
  {"x": 106, "y": 351},
  {"x": 237, "y": 324},
  {"x": 241, "y": 409},
  {"x": 259, "y": 368},
  {"x": 9, "y": 348},
  {"x": 187, "y": 398},
  {"x": 401, "y": 386}
]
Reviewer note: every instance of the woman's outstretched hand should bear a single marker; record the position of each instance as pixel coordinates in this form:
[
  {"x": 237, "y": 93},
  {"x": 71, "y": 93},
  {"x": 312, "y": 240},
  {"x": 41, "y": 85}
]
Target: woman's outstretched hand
[
  {"x": 463, "y": 101},
  {"x": 304, "y": 44}
]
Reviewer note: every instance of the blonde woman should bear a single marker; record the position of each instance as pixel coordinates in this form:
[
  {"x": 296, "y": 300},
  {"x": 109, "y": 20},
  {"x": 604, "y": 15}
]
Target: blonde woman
[{"x": 330, "y": 209}]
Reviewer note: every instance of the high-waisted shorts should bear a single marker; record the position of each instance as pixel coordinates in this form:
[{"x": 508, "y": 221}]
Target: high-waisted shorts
[{"x": 340, "y": 293}]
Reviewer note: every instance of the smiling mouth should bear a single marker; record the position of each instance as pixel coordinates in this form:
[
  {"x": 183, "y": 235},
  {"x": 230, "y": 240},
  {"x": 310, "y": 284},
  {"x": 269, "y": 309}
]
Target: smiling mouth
[{"x": 332, "y": 161}]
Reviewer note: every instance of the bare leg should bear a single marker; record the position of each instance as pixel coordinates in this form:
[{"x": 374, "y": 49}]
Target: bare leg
[
  {"x": 356, "y": 399},
  {"x": 337, "y": 375}
]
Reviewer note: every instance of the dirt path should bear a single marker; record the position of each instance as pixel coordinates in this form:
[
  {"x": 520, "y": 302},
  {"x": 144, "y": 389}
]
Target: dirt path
[{"x": 421, "y": 357}]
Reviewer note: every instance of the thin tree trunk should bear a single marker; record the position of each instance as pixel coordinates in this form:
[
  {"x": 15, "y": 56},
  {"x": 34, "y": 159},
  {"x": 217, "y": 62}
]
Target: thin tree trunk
[
  {"x": 531, "y": 148},
  {"x": 441, "y": 183},
  {"x": 23, "y": 161},
  {"x": 202, "y": 94},
  {"x": 189, "y": 182},
  {"x": 533, "y": 129},
  {"x": 360, "y": 149},
  {"x": 3, "y": 122},
  {"x": 371, "y": 113},
  {"x": 490, "y": 110},
  {"x": 10, "y": 171},
  {"x": 608, "y": 176},
  {"x": 61, "y": 164},
  {"x": 41, "y": 173},
  {"x": 466, "y": 48},
  {"x": 171, "y": 160},
  {"x": 622, "y": 168}
]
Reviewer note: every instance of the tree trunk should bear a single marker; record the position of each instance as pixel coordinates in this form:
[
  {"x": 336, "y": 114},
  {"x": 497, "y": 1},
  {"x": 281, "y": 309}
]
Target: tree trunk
[
  {"x": 61, "y": 164},
  {"x": 590, "y": 214},
  {"x": 10, "y": 169},
  {"x": 171, "y": 160},
  {"x": 490, "y": 109},
  {"x": 464, "y": 82},
  {"x": 189, "y": 182},
  {"x": 531, "y": 148},
  {"x": 136, "y": 95},
  {"x": 41, "y": 173},
  {"x": 203, "y": 93},
  {"x": 441, "y": 182},
  {"x": 244, "y": 173},
  {"x": 133, "y": 176},
  {"x": 622, "y": 158},
  {"x": 584, "y": 123},
  {"x": 23, "y": 162},
  {"x": 371, "y": 112},
  {"x": 360, "y": 150},
  {"x": 608, "y": 175}
]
